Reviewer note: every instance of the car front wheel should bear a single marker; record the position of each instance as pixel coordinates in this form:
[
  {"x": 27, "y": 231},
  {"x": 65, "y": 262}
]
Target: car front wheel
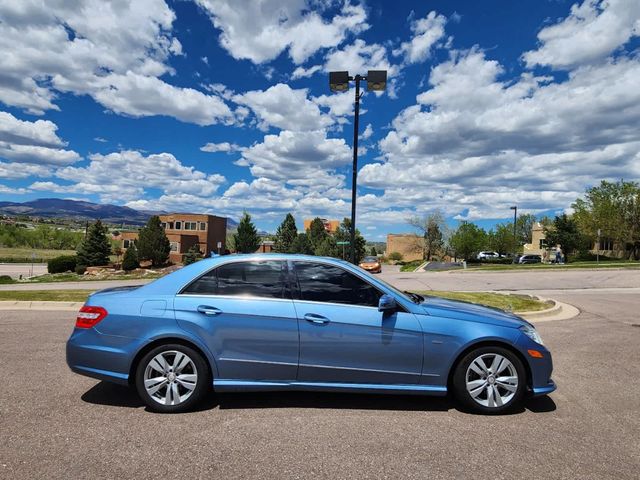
[
  {"x": 172, "y": 378},
  {"x": 490, "y": 380}
]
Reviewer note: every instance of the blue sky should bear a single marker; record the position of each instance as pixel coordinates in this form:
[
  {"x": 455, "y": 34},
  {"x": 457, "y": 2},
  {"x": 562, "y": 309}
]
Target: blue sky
[{"x": 220, "y": 106}]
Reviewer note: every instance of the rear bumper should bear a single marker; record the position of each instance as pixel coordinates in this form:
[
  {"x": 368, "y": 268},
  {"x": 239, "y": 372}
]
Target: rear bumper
[{"x": 105, "y": 357}]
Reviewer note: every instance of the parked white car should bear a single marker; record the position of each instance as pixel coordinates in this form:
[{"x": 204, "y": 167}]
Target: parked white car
[{"x": 488, "y": 255}]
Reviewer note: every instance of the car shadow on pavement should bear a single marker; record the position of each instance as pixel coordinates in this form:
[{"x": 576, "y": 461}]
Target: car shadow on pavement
[
  {"x": 330, "y": 400},
  {"x": 106, "y": 393}
]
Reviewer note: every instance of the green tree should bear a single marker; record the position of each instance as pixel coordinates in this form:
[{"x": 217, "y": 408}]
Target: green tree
[
  {"x": 565, "y": 232},
  {"x": 153, "y": 243},
  {"x": 614, "y": 209},
  {"x": 286, "y": 235},
  {"x": 316, "y": 233},
  {"x": 329, "y": 248},
  {"x": 431, "y": 229},
  {"x": 192, "y": 256},
  {"x": 524, "y": 227},
  {"x": 96, "y": 247},
  {"x": 343, "y": 234},
  {"x": 130, "y": 259},
  {"x": 374, "y": 252},
  {"x": 246, "y": 239},
  {"x": 395, "y": 256},
  {"x": 468, "y": 240},
  {"x": 302, "y": 245},
  {"x": 501, "y": 239}
]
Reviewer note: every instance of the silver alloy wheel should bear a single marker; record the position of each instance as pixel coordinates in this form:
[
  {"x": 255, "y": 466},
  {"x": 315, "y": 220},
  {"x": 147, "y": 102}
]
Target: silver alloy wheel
[
  {"x": 170, "y": 377},
  {"x": 492, "y": 380}
]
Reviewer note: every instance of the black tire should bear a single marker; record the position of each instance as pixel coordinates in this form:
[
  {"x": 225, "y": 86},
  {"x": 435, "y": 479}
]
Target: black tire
[
  {"x": 460, "y": 382},
  {"x": 199, "y": 366}
]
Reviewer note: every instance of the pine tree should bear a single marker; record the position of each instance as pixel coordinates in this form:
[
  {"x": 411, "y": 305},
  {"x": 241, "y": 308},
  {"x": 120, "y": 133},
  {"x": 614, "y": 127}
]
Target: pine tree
[
  {"x": 95, "y": 248},
  {"x": 153, "y": 243},
  {"x": 374, "y": 252},
  {"x": 192, "y": 256},
  {"x": 302, "y": 245},
  {"x": 246, "y": 239},
  {"x": 316, "y": 233},
  {"x": 286, "y": 235},
  {"x": 329, "y": 248},
  {"x": 343, "y": 234},
  {"x": 130, "y": 260}
]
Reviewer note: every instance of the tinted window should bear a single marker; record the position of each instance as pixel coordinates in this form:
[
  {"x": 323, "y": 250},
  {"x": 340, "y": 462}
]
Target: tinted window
[
  {"x": 370, "y": 259},
  {"x": 256, "y": 279},
  {"x": 326, "y": 283}
]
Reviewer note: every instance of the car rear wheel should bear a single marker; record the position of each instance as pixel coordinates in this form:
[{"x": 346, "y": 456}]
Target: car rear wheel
[
  {"x": 172, "y": 378},
  {"x": 490, "y": 380}
]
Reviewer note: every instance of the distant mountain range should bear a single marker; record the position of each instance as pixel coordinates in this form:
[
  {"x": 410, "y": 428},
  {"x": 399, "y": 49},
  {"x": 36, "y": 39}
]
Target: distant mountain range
[{"x": 80, "y": 210}]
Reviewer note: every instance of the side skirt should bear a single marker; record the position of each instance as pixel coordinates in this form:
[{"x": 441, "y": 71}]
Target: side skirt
[{"x": 265, "y": 386}]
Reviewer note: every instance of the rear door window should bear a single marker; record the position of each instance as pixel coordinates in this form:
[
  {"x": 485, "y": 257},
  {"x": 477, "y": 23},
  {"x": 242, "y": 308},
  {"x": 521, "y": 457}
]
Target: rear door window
[{"x": 266, "y": 279}]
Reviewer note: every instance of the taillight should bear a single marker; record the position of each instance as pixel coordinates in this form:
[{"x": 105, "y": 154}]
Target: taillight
[{"x": 89, "y": 316}]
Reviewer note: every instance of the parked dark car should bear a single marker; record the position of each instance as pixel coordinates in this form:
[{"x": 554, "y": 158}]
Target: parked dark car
[{"x": 530, "y": 259}]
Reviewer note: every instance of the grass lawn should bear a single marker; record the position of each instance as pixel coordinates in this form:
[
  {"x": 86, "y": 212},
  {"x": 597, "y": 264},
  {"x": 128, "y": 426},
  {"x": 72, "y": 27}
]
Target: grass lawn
[
  {"x": 72, "y": 277},
  {"x": 46, "y": 295},
  {"x": 544, "y": 266},
  {"x": 411, "y": 266},
  {"x": 510, "y": 303},
  {"x": 24, "y": 254}
]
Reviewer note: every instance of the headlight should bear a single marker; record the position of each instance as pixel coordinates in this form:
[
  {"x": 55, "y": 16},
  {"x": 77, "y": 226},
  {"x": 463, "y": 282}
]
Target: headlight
[{"x": 532, "y": 333}]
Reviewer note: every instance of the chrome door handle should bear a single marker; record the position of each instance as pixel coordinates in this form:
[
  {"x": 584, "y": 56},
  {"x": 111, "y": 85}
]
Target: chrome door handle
[
  {"x": 209, "y": 311},
  {"x": 314, "y": 318}
]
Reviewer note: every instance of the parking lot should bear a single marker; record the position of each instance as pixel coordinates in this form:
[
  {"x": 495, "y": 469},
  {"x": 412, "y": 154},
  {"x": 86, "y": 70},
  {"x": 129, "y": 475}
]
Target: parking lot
[{"x": 54, "y": 424}]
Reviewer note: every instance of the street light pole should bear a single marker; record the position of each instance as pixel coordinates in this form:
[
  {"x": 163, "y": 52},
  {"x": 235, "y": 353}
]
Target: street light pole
[
  {"x": 354, "y": 181},
  {"x": 339, "y": 82},
  {"x": 515, "y": 235}
]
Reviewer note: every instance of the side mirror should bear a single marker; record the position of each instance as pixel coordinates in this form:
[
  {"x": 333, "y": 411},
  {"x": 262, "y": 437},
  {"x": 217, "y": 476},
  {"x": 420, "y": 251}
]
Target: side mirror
[{"x": 387, "y": 303}]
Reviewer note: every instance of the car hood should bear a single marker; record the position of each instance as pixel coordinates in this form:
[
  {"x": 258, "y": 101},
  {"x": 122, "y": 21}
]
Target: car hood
[{"x": 454, "y": 309}]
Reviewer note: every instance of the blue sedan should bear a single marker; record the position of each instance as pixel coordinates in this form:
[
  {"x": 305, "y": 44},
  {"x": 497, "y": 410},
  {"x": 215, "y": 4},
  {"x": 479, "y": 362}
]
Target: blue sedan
[{"x": 293, "y": 322}]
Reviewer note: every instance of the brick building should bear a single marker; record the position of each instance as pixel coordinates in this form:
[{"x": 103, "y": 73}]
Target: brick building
[
  {"x": 185, "y": 230},
  {"x": 329, "y": 225}
]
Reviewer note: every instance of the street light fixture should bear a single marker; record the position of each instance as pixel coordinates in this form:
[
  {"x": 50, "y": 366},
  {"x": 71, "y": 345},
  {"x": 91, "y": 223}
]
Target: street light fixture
[{"x": 339, "y": 82}]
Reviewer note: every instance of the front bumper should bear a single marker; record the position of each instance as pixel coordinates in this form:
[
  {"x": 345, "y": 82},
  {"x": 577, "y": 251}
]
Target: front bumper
[{"x": 544, "y": 390}]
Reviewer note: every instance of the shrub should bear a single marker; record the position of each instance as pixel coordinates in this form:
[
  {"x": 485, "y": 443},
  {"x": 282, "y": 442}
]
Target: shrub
[
  {"x": 395, "y": 256},
  {"x": 192, "y": 256},
  {"x": 4, "y": 279},
  {"x": 80, "y": 269},
  {"x": 63, "y": 263},
  {"x": 130, "y": 260}
]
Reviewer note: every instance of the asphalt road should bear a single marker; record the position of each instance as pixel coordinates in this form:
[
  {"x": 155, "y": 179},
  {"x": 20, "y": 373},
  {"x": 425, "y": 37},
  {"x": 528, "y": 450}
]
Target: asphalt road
[
  {"x": 55, "y": 424},
  {"x": 15, "y": 270}
]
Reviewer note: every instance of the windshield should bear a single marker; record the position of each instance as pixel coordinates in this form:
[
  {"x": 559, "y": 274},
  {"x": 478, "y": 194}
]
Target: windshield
[{"x": 370, "y": 259}]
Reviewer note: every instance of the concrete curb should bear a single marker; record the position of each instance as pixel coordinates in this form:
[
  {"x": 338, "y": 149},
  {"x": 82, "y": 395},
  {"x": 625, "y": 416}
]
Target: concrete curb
[
  {"x": 47, "y": 306},
  {"x": 560, "y": 311}
]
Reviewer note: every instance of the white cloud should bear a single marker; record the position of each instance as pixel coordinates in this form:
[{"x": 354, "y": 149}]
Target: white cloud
[
  {"x": 32, "y": 142},
  {"x": 12, "y": 191},
  {"x": 592, "y": 31},
  {"x": 110, "y": 177},
  {"x": 301, "y": 72},
  {"x": 476, "y": 143},
  {"x": 302, "y": 158},
  {"x": 139, "y": 96},
  {"x": 220, "y": 147},
  {"x": 283, "y": 107},
  {"x": 261, "y": 31},
  {"x": 14, "y": 171},
  {"x": 112, "y": 51},
  {"x": 426, "y": 33},
  {"x": 359, "y": 58},
  {"x": 368, "y": 131}
]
